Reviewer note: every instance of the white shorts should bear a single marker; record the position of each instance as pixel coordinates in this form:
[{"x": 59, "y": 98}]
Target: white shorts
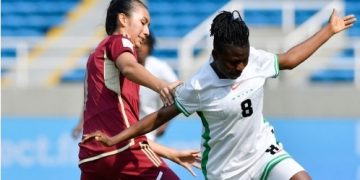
[{"x": 275, "y": 164}]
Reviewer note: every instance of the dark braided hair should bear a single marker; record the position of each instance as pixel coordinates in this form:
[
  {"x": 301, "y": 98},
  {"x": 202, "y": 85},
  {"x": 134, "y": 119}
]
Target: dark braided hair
[
  {"x": 229, "y": 30},
  {"x": 116, "y": 7}
]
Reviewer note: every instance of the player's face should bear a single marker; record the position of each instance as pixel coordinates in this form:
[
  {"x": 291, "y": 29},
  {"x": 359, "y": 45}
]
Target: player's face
[
  {"x": 138, "y": 27},
  {"x": 231, "y": 61}
]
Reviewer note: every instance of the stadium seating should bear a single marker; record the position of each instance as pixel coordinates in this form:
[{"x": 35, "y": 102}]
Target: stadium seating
[
  {"x": 169, "y": 19},
  {"x": 177, "y": 18},
  {"x": 333, "y": 74},
  {"x": 32, "y": 17},
  {"x": 337, "y": 75},
  {"x": 8, "y": 52}
]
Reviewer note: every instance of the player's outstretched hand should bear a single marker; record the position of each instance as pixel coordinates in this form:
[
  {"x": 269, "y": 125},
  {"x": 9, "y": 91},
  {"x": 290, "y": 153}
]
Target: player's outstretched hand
[
  {"x": 187, "y": 159},
  {"x": 167, "y": 93},
  {"x": 98, "y": 136},
  {"x": 338, "y": 23}
]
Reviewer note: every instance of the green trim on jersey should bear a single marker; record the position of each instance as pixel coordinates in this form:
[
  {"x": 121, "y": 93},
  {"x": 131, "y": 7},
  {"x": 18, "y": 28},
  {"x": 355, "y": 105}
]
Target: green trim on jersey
[
  {"x": 181, "y": 108},
  {"x": 265, "y": 120},
  {"x": 206, "y": 136},
  {"x": 270, "y": 165},
  {"x": 276, "y": 65}
]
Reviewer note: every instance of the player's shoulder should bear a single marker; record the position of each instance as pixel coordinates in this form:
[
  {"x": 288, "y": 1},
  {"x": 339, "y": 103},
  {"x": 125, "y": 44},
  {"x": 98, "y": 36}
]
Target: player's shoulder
[
  {"x": 259, "y": 52},
  {"x": 121, "y": 41},
  {"x": 256, "y": 52},
  {"x": 259, "y": 56},
  {"x": 203, "y": 78}
]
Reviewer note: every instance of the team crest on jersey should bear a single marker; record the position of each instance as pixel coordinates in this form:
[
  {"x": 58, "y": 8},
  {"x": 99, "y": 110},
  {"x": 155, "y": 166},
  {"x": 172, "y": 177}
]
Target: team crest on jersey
[{"x": 127, "y": 43}]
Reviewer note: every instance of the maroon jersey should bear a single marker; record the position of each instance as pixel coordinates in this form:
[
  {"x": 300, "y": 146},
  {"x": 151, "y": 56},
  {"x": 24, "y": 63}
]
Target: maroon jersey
[{"x": 111, "y": 100}]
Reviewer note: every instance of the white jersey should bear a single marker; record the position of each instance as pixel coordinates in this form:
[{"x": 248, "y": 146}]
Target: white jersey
[
  {"x": 234, "y": 133},
  {"x": 149, "y": 100}
]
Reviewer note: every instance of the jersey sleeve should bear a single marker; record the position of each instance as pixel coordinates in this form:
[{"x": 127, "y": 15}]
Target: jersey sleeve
[
  {"x": 118, "y": 45},
  {"x": 187, "y": 99},
  {"x": 267, "y": 63}
]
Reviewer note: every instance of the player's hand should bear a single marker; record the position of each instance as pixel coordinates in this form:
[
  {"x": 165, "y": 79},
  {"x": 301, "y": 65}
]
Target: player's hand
[
  {"x": 98, "y": 136},
  {"x": 187, "y": 159},
  {"x": 167, "y": 93},
  {"x": 338, "y": 23}
]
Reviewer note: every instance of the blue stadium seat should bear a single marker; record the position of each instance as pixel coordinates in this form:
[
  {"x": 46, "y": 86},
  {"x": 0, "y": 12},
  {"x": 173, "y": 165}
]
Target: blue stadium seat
[
  {"x": 7, "y": 52},
  {"x": 171, "y": 53},
  {"x": 3, "y": 71},
  {"x": 165, "y": 53},
  {"x": 21, "y": 7},
  {"x": 353, "y": 7},
  {"x": 348, "y": 52},
  {"x": 303, "y": 15},
  {"x": 73, "y": 76},
  {"x": 333, "y": 76},
  {"x": 263, "y": 17}
]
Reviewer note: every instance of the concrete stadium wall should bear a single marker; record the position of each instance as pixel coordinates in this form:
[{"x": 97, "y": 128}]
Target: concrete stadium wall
[{"x": 313, "y": 101}]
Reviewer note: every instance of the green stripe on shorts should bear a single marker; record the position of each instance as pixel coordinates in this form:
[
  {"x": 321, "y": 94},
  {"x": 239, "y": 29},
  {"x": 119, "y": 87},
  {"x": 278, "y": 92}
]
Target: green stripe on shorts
[{"x": 270, "y": 165}]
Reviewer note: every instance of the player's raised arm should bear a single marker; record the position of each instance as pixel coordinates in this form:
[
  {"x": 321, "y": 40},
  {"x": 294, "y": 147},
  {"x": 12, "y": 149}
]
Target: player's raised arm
[
  {"x": 147, "y": 124},
  {"x": 302, "y": 51}
]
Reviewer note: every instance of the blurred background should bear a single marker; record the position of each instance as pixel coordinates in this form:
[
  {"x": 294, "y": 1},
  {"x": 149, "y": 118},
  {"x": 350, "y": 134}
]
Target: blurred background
[{"x": 314, "y": 108}]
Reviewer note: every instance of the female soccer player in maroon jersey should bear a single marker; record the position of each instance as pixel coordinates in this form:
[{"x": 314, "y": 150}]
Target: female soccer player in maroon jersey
[{"x": 111, "y": 102}]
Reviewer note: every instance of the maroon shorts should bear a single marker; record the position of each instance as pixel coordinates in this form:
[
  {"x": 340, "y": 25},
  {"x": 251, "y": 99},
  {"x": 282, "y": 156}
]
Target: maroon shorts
[{"x": 139, "y": 162}]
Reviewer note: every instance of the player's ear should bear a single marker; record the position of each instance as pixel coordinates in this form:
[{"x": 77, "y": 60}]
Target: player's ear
[{"x": 122, "y": 19}]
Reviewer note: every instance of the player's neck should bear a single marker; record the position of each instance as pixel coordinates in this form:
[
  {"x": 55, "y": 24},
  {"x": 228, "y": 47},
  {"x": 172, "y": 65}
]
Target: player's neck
[{"x": 217, "y": 71}]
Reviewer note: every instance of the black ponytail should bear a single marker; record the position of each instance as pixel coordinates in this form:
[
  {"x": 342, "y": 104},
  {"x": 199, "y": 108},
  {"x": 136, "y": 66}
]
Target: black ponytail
[
  {"x": 229, "y": 29},
  {"x": 116, "y": 7}
]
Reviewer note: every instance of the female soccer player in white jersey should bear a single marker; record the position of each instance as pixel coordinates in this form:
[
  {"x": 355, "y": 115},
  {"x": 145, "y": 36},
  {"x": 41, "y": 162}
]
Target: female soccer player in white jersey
[{"x": 227, "y": 94}]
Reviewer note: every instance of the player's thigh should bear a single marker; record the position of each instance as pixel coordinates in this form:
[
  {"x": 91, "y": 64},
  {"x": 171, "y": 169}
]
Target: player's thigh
[
  {"x": 288, "y": 169},
  {"x": 276, "y": 164},
  {"x": 302, "y": 175},
  {"x": 91, "y": 176},
  {"x": 140, "y": 162}
]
